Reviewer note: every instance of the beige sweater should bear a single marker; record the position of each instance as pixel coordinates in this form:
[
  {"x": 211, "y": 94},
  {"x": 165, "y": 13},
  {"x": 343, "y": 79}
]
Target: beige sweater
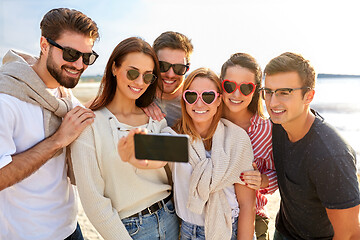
[
  {"x": 19, "y": 80},
  {"x": 109, "y": 188}
]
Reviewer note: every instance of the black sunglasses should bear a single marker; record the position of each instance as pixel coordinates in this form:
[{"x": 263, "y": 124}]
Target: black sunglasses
[
  {"x": 179, "y": 69},
  {"x": 72, "y": 55},
  {"x": 133, "y": 74}
]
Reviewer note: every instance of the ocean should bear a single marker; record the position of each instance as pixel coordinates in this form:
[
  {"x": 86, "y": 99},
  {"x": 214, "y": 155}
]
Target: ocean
[{"x": 336, "y": 100}]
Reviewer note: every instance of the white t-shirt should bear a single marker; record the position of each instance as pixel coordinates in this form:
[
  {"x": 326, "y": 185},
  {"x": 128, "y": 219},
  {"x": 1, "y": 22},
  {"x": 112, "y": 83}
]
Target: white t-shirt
[
  {"x": 42, "y": 206},
  {"x": 181, "y": 173}
]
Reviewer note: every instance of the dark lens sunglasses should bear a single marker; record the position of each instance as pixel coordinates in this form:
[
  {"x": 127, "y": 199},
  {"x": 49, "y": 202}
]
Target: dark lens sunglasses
[
  {"x": 133, "y": 74},
  {"x": 207, "y": 96},
  {"x": 245, "y": 88},
  {"x": 179, "y": 69},
  {"x": 72, "y": 55}
]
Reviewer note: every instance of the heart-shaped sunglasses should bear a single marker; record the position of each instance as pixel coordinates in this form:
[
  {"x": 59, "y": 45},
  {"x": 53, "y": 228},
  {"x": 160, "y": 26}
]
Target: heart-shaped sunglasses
[
  {"x": 231, "y": 86},
  {"x": 206, "y": 96}
]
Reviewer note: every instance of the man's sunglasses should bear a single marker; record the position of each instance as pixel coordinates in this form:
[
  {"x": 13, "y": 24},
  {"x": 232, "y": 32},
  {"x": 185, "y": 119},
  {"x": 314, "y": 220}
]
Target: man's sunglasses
[
  {"x": 72, "y": 55},
  {"x": 245, "y": 88},
  {"x": 207, "y": 96},
  {"x": 133, "y": 74},
  {"x": 179, "y": 69}
]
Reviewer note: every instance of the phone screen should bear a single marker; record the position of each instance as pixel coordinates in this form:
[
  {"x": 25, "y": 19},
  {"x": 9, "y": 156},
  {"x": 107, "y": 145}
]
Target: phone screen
[{"x": 170, "y": 148}]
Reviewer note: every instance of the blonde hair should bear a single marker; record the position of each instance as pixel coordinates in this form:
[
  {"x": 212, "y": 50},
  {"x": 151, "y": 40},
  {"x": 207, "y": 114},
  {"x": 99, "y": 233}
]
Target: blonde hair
[{"x": 185, "y": 125}]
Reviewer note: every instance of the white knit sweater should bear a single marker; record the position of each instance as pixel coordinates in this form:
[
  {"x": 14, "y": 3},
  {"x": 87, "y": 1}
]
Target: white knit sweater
[{"x": 109, "y": 188}]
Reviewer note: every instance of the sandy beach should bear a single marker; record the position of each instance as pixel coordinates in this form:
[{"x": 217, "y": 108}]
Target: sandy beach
[{"x": 85, "y": 92}]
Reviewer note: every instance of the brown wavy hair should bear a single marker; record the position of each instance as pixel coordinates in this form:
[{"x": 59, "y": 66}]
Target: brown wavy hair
[
  {"x": 247, "y": 61},
  {"x": 58, "y": 20},
  {"x": 108, "y": 83}
]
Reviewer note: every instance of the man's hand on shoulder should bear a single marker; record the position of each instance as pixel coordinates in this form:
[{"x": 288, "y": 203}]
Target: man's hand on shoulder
[
  {"x": 154, "y": 112},
  {"x": 74, "y": 122}
]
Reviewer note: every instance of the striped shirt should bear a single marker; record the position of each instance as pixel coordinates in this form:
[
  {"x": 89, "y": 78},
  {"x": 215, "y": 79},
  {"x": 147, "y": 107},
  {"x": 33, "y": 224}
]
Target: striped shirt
[{"x": 260, "y": 137}]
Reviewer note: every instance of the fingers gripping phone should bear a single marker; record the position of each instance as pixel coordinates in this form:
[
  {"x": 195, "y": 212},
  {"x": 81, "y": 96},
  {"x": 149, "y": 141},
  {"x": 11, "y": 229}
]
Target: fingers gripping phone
[{"x": 170, "y": 148}]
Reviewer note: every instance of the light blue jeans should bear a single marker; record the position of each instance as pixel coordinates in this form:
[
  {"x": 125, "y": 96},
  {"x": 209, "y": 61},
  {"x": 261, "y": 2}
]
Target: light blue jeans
[
  {"x": 162, "y": 224},
  {"x": 190, "y": 231}
]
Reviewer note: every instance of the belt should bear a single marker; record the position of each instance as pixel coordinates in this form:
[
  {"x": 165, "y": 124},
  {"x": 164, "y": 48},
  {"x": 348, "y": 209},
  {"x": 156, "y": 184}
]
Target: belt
[{"x": 153, "y": 208}]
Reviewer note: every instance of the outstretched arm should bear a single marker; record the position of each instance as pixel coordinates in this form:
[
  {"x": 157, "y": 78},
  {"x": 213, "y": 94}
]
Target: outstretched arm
[{"x": 24, "y": 164}]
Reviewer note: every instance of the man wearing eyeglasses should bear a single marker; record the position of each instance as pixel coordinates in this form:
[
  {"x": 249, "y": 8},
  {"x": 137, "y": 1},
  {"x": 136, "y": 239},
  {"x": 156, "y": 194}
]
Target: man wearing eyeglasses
[
  {"x": 38, "y": 120},
  {"x": 173, "y": 50},
  {"x": 315, "y": 167}
]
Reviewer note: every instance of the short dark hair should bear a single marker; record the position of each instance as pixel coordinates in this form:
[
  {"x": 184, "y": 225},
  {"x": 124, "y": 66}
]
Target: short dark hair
[
  {"x": 174, "y": 40},
  {"x": 58, "y": 20},
  {"x": 108, "y": 83},
  {"x": 293, "y": 62},
  {"x": 247, "y": 61}
]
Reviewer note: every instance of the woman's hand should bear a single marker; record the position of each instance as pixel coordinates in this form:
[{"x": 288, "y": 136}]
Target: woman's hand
[
  {"x": 126, "y": 149},
  {"x": 252, "y": 179}
]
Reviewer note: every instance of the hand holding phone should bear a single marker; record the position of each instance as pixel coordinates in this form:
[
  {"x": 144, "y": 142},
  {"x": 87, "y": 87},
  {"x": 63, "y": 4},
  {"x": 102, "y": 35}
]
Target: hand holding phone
[
  {"x": 126, "y": 150},
  {"x": 163, "y": 147}
]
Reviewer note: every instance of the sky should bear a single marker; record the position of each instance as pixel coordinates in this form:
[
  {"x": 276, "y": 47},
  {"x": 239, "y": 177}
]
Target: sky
[{"x": 326, "y": 32}]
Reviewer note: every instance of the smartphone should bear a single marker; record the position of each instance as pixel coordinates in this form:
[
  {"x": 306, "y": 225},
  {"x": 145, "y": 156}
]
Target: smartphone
[{"x": 163, "y": 147}]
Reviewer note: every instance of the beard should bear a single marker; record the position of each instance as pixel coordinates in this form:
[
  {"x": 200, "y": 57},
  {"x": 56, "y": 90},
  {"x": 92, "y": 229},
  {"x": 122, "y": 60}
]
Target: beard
[{"x": 57, "y": 73}]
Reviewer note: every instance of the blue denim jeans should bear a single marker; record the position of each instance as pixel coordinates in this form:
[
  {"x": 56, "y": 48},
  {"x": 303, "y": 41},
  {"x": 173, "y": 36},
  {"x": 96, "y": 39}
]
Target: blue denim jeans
[
  {"x": 76, "y": 235},
  {"x": 190, "y": 231},
  {"x": 162, "y": 224},
  {"x": 279, "y": 236}
]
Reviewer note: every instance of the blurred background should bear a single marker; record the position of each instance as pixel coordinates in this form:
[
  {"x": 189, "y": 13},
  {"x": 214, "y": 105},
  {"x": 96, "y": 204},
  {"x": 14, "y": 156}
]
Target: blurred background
[{"x": 324, "y": 31}]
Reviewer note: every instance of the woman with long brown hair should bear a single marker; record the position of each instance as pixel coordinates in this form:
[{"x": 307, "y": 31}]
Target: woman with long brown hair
[
  {"x": 241, "y": 80},
  {"x": 120, "y": 200}
]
